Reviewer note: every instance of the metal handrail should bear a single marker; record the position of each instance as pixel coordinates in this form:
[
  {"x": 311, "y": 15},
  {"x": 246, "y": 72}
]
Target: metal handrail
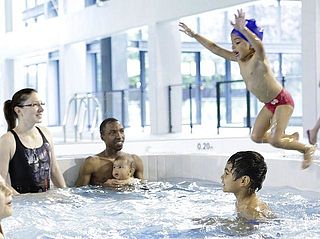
[
  {"x": 189, "y": 87},
  {"x": 82, "y": 108},
  {"x": 281, "y": 79},
  {"x": 73, "y": 100},
  {"x": 76, "y": 120},
  {"x": 218, "y": 96},
  {"x": 80, "y": 121}
]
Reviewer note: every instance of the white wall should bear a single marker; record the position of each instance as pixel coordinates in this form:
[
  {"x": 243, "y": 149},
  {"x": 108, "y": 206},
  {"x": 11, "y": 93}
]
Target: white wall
[
  {"x": 73, "y": 73},
  {"x": 78, "y": 24},
  {"x": 164, "y": 69},
  {"x": 311, "y": 62},
  {"x": 94, "y": 22}
]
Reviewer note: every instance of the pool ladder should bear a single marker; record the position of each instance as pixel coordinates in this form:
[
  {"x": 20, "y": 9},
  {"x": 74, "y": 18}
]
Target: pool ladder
[{"x": 87, "y": 112}]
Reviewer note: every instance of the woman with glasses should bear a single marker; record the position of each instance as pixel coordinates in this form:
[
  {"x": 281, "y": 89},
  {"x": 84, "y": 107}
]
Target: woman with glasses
[{"x": 28, "y": 160}]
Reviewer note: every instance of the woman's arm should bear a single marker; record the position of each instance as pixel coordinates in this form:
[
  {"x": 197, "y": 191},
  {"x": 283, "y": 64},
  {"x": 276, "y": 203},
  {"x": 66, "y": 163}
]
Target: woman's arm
[
  {"x": 7, "y": 150},
  {"x": 56, "y": 175}
]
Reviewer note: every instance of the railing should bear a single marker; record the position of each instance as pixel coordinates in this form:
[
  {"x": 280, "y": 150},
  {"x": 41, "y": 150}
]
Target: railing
[
  {"x": 199, "y": 104},
  {"x": 83, "y": 113},
  {"x": 188, "y": 93},
  {"x": 198, "y": 107},
  {"x": 73, "y": 101},
  {"x": 86, "y": 111},
  {"x": 289, "y": 82},
  {"x": 132, "y": 104},
  {"x": 218, "y": 96}
]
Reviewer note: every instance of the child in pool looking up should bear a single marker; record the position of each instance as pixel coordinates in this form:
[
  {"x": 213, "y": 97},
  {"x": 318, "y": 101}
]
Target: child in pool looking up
[{"x": 243, "y": 176}]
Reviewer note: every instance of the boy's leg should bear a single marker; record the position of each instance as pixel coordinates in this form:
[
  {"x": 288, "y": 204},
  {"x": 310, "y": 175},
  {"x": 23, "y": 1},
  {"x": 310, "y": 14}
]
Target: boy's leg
[
  {"x": 261, "y": 126},
  {"x": 280, "y": 140},
  {"x": 280, "y": 121}
]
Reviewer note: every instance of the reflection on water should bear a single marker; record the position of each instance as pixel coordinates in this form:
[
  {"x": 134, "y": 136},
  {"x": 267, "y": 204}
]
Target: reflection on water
[{"x": 175, "y": 209}]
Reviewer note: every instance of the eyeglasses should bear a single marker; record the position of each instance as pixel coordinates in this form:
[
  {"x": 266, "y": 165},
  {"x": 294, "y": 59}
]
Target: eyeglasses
[{"x": 35, "y": 104}]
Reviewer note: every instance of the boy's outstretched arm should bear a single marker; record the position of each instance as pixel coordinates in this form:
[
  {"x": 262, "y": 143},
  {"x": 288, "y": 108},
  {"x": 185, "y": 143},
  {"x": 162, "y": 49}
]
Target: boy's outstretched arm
[
  {"x": 211, "y": 46},
  {"x": 240, "y": 25}
]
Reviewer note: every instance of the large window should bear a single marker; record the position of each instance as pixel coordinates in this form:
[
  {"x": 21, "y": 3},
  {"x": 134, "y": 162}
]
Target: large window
[
  {"x": 282, "y": 41},
  {"x": 44, "y": 77},
  {"x": 137, "y": 68},
  {"x": 37, "y": 10}
]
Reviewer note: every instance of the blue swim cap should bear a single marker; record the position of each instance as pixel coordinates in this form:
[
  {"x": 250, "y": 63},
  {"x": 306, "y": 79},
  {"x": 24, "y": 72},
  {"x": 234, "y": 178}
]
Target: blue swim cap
[{"x": 250, "y": 24}]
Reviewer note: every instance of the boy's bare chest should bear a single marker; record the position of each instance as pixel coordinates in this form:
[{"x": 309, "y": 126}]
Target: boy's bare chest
[
  {"x": 259, "y": 80},
  {"x": 252, "y": 75}
]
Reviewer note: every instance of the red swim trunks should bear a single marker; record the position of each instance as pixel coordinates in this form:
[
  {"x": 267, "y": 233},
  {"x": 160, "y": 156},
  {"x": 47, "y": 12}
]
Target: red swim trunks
[{"x": 284, "y": 98}]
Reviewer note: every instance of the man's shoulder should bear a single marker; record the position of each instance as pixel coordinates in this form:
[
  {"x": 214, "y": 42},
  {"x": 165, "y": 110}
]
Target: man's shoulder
[
  {"x": 92, "y": 158},
  {"x": 94, "y": 163},
  {"x": 135, "y": 157},
  {"x": 97, "y": 159}
]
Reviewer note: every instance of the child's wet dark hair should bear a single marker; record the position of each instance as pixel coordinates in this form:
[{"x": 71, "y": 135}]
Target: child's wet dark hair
[{"x": 249, "y": 163}]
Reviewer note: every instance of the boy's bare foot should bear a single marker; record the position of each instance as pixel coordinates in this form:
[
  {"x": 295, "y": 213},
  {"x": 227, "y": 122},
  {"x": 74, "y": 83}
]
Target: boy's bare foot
[
  {"x": 312, "y": 138},
  {"x": 308, "y": 156}
]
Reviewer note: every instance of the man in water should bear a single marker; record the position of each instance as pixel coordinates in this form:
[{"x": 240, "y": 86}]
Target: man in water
[{"x": 97, "y": 169}]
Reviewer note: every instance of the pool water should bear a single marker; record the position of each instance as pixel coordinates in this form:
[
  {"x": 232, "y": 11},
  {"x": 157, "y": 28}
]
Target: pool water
[{"x": 176, "y": 209}]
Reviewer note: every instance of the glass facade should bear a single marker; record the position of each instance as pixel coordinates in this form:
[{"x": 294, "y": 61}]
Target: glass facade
[
  {"x": 281, "y": 22},
  {"x": 200, "y": 69}
]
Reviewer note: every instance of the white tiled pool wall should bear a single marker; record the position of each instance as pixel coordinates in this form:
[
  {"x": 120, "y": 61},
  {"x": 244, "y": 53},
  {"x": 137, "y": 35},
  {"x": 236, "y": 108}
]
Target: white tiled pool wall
[
  {"x": 281, "y": 172},
  {"x": 197, "y": 159}
]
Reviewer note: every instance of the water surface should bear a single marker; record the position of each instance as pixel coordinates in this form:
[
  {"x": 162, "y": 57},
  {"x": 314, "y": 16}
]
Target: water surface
[{"x": 175, "y": 209}]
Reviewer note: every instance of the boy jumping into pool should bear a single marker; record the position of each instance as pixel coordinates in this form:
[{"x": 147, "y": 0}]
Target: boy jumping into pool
[
  {"x": 243, "y": 175},
  {"x": 248, "y": 51}
]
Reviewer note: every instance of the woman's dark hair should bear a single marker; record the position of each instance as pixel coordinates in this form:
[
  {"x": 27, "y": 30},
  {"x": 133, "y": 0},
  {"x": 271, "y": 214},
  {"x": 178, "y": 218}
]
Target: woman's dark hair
[
  {"x": 249, "y": 163},
  {"x": 18, "y": 99}
]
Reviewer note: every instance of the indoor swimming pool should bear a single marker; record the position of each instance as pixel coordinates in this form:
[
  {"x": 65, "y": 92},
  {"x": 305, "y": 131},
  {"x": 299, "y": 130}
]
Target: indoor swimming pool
[
  {"x": 180, "y": 199},
  {"x": 180, "y": 208}
]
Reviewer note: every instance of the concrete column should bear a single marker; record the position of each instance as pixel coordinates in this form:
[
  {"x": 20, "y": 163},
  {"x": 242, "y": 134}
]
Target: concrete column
[
  {"x": 311, "y": 62},
  {"x": 7, "y": 87},
  {"x": 54, "y": 114},
  {"x": 7, "y": 79},
  {"x": 8, "y": 15},
  {"x": 114, "y": 76},
  {"x": 72, "y": 72},
  {"x": 71, "y": 6},
  {"x": 164, "y": 49},
  {"x": 62, "y": 7}
]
